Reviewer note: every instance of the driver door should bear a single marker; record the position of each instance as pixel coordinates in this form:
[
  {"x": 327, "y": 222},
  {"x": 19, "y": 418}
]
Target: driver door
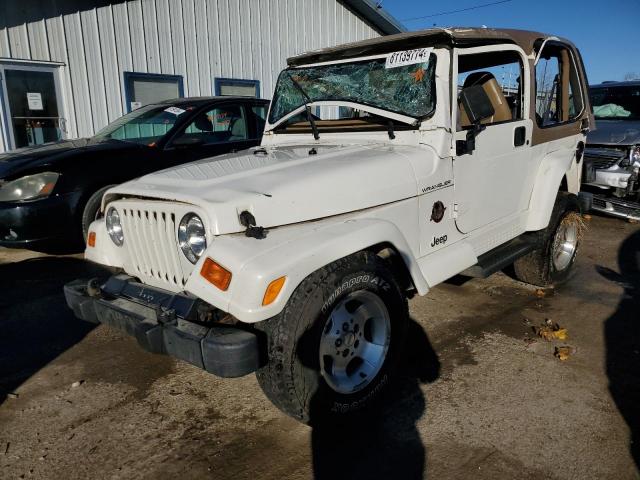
[{"x": 490, "y": 181}]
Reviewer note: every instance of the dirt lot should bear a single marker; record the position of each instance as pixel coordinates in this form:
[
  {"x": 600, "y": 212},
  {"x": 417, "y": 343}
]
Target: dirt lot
[{"x": 481, "y": 395}]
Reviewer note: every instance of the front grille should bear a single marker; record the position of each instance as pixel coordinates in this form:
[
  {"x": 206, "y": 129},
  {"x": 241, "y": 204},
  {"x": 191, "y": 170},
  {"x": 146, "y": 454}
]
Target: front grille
[
  {"x": 150, "y": 236},
  {"x": 603, "y": 158}
]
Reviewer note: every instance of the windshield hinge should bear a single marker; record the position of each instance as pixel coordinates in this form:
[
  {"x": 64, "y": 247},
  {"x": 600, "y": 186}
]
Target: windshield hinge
[{"x": 454, "y": 213}]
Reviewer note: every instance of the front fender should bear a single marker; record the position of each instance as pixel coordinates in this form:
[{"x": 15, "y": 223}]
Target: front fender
[
  {"x": 295, "y": 252},
  {"x": 553, "y": 168}
]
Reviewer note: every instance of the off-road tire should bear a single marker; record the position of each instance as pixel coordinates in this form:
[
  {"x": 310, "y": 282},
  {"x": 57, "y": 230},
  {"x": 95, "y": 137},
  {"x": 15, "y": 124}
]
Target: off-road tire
[
  {"x": 91, "y": 208},
  {"x": 537, "y": 267},
  {"x": 292, "y": 379}
]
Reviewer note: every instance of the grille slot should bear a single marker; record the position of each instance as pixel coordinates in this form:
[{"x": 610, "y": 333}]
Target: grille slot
[
  {"x": 150, "y": 237},
  {"x": 604, "y": 158}
]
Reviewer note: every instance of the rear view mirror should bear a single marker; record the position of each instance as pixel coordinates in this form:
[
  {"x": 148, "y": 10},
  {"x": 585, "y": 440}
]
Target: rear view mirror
[{"x": 476, "y": 104}]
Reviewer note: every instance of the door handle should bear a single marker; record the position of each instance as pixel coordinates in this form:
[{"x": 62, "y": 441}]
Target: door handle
[{"x": 519, "y": 136}]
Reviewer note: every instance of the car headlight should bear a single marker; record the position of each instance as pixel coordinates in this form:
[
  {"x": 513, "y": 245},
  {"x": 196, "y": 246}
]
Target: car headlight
[
  {"x": 29, "y": 187},
  {"x": 634, "y": 156},
  {"x": 191, "y": 237},
  {"x": 114, "y": 227}
]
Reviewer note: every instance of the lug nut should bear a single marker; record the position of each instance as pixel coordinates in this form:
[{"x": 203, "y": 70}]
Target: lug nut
[{"x": 338, "y": 342}]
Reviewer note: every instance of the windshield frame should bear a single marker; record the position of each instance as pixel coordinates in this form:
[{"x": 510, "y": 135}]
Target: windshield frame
[{"x": 413, "y": 121}]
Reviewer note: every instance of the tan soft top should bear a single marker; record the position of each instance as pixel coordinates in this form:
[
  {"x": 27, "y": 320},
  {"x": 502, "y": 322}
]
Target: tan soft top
[{"x": 423, "y": 38}]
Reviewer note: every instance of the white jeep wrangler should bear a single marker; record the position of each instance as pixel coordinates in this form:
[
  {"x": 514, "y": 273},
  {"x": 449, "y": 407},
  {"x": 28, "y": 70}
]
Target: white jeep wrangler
[{"x": 387, "y": 166}]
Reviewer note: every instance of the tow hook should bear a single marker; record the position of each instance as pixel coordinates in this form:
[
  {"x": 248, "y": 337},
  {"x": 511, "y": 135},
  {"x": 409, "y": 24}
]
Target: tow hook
[
  {"x": 166, "y": 316},
  {"x": 93, "y": 288}
]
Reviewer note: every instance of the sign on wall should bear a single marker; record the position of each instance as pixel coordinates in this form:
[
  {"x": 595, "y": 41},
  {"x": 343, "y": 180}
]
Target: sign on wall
[{"x": 34, "y": 99}]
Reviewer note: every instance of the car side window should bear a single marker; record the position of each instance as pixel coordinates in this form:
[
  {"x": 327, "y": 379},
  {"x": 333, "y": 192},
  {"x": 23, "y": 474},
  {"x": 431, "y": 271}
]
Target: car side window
[
  {"x": 259, "y": 117},
  {"x": 218, "y": 125},
  {"x": 558, "y": 93},
  {"x": 499, "y": 74}
]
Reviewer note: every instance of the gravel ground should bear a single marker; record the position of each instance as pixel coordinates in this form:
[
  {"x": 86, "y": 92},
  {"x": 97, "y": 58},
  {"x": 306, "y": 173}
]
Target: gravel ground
[{"x": 480, "y": 396}]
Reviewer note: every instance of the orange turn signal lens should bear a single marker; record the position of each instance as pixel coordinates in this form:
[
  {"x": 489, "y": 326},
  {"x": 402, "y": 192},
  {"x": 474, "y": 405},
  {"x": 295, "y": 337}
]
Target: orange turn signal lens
[
  {"x": 47, "y": 189},
  {"x": 216, "y": 274},
  {"x": 273, "y": 290},
  {"x": 91, "y": 239}
]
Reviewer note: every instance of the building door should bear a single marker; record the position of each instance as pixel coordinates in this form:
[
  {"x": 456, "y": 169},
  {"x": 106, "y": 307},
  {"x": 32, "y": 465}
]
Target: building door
[{"x": 32, "y": 105}]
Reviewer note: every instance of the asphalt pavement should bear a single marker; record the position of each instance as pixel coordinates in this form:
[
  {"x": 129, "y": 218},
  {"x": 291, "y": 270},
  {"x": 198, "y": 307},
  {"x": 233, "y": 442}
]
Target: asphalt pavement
[{"x": 480, "y": 395}]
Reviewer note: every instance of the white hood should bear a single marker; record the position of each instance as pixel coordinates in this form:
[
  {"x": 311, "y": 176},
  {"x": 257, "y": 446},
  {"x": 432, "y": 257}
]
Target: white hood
[{"x": 288, "y": 184}]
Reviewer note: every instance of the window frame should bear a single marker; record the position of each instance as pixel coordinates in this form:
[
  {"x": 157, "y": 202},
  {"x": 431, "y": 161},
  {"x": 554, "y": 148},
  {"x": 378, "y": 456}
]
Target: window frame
[
  {"x": 130, "y": 76},
  {"x": 219, "y": 82},
  {"x": 205, "y": 108},
  {"x": 569, "y": 51},
  {"x": 525, "y": 78}
]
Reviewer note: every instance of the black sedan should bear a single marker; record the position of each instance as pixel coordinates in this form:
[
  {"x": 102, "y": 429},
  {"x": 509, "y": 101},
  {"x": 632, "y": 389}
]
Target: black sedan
[{"x": 49, "y": 194}]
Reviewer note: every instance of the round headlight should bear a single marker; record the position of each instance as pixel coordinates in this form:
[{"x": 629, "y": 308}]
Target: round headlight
[
  {"x": 191, "y": 237},
  {"x": 114, "y": 227}
]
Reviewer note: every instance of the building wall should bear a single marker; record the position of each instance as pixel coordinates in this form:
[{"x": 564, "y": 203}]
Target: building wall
[{"x": 198, "y": 39}]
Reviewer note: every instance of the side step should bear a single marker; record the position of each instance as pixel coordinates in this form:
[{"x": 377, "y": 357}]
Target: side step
[{"x": 501, "y": 257}]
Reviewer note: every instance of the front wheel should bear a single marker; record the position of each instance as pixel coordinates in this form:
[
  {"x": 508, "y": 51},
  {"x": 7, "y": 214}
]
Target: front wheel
[
  {"x": 91, "y": 209},
  {"x": 332, "y": 350},
  {"x": 552, "y": 262}
]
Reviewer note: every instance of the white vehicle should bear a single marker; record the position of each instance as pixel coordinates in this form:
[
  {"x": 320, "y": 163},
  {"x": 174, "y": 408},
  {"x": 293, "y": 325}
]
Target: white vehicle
[{"x": 386, "y": 167}]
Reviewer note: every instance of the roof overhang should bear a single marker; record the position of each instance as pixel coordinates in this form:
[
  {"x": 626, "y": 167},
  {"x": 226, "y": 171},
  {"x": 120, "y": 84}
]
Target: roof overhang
[{"x": 380, "y": 19}]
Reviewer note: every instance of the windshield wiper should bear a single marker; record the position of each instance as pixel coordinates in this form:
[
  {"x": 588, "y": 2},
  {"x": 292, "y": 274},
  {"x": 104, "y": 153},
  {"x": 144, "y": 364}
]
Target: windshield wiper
[{"x": 312, "y": 122}]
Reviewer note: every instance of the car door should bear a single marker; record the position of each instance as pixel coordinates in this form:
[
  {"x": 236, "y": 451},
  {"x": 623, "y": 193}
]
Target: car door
[
  {"x": 214, "y": 130},
  {"x": 490, "y": 181}
]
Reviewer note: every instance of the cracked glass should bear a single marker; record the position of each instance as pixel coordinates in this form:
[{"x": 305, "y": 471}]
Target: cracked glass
[{"x": 407, "y": 90}]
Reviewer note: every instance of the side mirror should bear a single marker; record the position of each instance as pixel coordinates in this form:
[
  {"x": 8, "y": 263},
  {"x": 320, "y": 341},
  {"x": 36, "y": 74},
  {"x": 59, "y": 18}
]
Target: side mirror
[
  {"x": 477, "y": 106},
  {"x": 186, "y": 142}
]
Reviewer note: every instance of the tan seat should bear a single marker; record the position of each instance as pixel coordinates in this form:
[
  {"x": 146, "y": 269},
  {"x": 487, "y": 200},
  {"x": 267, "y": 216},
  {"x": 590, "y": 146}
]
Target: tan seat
[{"x": 502, "y": 111}]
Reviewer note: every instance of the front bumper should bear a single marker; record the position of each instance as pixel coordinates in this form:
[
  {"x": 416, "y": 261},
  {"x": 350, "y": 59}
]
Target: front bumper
[
  {"x": 616, "y": 207},
  {"x": 24, "y": 224},
  {"x": 163, "y": 322}
]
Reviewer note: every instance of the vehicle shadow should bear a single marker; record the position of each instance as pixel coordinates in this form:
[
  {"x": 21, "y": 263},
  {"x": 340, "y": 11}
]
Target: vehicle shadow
[
  {"x": 35, "y": 322},
  {"x": 622, "y": 339},
  {"x": 383, "y": 443}
]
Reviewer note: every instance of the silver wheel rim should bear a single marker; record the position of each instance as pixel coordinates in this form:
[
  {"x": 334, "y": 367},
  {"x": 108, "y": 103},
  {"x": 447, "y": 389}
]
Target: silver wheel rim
[
  {"x": 355, "y": 340},
  {"x": 564, "y": 245}
]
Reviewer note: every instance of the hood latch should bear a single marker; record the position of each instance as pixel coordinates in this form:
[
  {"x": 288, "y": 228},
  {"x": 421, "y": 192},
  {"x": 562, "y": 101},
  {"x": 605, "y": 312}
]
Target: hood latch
[{"x": 248, "y": 220}]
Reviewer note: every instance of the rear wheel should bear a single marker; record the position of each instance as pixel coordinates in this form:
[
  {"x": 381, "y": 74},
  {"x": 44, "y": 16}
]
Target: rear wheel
[
  {"x": 552, "y": 262},
  {"x": 332, "y": 350}
]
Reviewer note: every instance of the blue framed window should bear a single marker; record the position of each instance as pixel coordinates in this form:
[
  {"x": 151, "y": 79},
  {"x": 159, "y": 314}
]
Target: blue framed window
[
  {"x": 237, "y": 87},
  {"x": 145, "y": 88}
]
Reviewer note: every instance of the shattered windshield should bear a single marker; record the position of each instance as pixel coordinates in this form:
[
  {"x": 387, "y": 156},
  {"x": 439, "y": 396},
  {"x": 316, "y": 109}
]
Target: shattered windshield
[
  {"x": 616, "y": 102},
  {"x": 405, "y": 89}
]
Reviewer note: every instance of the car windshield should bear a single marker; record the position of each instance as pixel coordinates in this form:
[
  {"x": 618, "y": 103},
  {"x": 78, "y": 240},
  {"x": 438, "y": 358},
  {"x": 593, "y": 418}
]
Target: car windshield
[
  {"x": 620, "y": 103},
  {"x": 406, "y": 89},
  {"x": 145, "y": 125}
]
